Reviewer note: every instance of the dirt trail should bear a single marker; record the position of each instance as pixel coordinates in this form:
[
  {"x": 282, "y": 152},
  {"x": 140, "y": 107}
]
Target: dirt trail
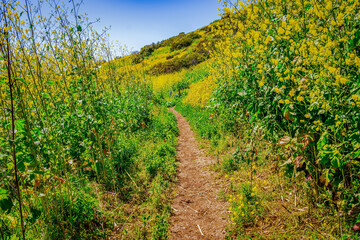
[{"x": 197, "y": 209}]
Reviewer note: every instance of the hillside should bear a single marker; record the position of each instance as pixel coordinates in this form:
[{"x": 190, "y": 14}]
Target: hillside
[{"x": 98, "y": 147}]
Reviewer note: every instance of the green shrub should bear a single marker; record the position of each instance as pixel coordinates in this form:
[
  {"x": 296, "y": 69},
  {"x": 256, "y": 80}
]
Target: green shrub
[
  {"x": 177, "y": 63},
  {"x": 160, "y": 161},
  {"x": 145, "y": 52},
  {"x": 169, "y": 42},
  {"x": 183, "y": 41}
]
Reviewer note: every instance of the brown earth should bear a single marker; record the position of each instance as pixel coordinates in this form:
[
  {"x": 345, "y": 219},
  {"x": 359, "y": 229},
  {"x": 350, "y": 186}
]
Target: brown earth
[{"x": 198, "y": 213}]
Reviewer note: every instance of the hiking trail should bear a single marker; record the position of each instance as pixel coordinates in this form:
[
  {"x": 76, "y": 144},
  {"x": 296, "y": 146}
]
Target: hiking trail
[{"x": 198, "y": 213}]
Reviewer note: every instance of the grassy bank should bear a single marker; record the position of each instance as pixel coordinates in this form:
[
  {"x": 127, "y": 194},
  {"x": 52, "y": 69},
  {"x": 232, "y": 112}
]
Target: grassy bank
[{"x": 268, "y": 200}]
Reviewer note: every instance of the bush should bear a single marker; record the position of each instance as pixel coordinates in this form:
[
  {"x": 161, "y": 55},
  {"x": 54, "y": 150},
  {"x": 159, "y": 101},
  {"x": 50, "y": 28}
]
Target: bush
[
  {"x": 292, "y": 69},
  {"x": 183, "y": 41},
  {"x": 145, "y": 51},
  {"x": 177, "y": 63},
  {"x": 180, "y": 43},
  {"x": 169, "y": 42}
]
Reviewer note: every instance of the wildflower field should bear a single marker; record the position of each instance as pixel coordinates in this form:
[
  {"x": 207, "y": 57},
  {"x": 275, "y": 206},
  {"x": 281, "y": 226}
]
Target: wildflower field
[{"x": 87, "y": 144}]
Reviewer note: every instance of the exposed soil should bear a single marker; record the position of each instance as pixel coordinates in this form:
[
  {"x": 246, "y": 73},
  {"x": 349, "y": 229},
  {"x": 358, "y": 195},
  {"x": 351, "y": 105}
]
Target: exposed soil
[{"x": 198, "y": 213}]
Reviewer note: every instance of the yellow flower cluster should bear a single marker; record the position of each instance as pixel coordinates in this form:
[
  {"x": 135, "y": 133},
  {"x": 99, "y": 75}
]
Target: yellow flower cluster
[
  {"x": 244, "y": 206},
  {"x": 166, "y": 81},
  {"x": 296, "y": 61},
  {"x": 200, "y": 92}
]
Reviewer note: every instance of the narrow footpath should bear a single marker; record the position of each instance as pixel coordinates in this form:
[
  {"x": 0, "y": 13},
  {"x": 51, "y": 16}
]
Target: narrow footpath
[{"x": 197, "y": 211}]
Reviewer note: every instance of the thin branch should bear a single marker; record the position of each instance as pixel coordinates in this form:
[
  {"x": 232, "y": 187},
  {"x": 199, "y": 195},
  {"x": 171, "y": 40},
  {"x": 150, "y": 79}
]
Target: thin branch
[{"x": 13, "y": 125}]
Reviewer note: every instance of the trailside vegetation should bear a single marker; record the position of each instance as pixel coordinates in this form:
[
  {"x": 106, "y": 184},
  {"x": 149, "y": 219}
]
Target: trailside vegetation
[
  {"x": 289, "y": 73},
  {"x": 85, "y": 150}
]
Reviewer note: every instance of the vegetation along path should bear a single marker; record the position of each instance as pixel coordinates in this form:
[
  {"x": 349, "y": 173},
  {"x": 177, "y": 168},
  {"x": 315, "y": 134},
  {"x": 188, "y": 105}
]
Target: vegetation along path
[{"x": 198, "y": 213}]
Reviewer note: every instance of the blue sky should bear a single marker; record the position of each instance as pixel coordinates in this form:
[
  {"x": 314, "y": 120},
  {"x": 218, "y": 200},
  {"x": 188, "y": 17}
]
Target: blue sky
[{"x": 136, "y": 23}]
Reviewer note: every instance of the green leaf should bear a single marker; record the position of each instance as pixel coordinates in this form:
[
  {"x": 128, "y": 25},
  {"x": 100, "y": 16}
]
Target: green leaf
[
  {"x": 79, "y": 28},
  {"x": 14, "y": 237},
  {"x": 21, "y": 166},
  {"x": 20, "y": 125},
  {"x": 323, "y": 140},
  {"x": 328, "y": 175},
  {"x": 3, "y": 80},
  {"x": 35, "y": 213},
  {"x": 3, "y": 193},
  {"x": 6, "y": 204}
]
